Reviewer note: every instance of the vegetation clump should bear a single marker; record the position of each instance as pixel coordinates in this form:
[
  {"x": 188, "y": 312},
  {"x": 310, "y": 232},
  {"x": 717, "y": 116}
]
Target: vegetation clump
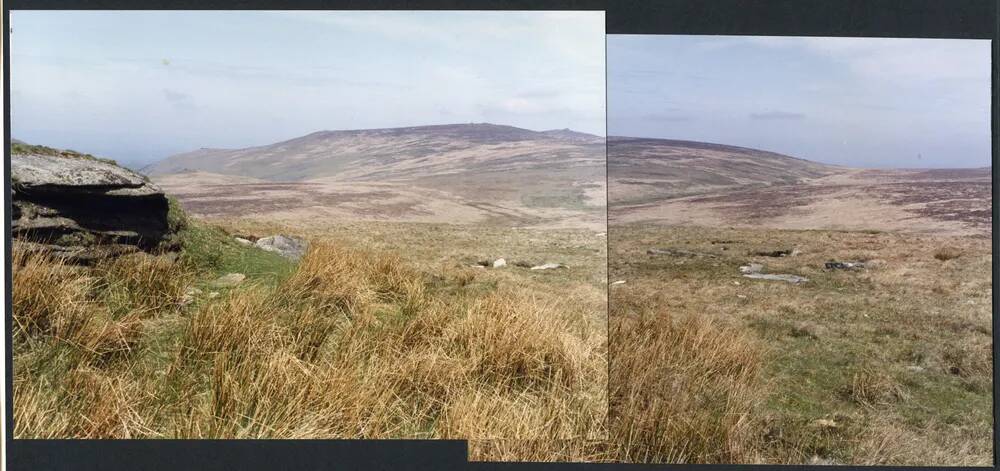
[{"x": 348, "y": 343}]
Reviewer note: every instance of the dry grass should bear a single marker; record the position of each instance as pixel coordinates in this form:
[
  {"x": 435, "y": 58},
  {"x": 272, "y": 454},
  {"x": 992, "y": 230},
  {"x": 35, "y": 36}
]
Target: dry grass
[
  {"x": 947, "y": 253},
  {"x": 684, "y": 389},
  {"x": 873, "y": 388},
  {"x": 352, "y": 343},
  {"x": 890, "y": 364}
]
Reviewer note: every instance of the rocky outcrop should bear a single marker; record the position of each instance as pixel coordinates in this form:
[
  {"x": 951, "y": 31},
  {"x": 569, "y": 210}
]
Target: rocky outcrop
[{"x": 83, "y": 207}]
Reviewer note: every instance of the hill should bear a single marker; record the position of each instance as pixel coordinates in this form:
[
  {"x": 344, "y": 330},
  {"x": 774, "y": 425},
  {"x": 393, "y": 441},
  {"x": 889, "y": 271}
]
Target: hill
[
  {"x": 646, "y": 169},
  {"x": 460, "y": 173},
  {"x": 703, "y": 184},
  {"x": 396, "y": 153}
]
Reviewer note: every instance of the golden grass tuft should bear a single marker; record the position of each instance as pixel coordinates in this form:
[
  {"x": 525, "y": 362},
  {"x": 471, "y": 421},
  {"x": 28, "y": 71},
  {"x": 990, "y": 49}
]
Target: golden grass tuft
[
  {"x": 682, "y": 390},
  {"x": 514, "y": 341},
  {"x": 872, "y": 388},
  {"x": 141, "y": 284},
  {"x": 351, "y": 344},
  {"x": 350, "y": 279},
  {"x": 238, "y": 326},
  {"x": 48, "y": 297},
  {"x": 947, "y": 253}
]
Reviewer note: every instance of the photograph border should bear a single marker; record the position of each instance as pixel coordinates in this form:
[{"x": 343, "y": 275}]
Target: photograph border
[{"x": 966, "y": 19}]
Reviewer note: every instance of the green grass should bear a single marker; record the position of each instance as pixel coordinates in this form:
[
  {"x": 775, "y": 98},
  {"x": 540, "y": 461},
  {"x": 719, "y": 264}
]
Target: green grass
[
  {"x": 215, "y": 253},
  {"x": 899, "y": 328}
]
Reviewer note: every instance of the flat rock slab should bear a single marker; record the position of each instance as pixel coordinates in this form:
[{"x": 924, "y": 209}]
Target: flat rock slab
[
  {"x": 229, "y": 280},
  {"x": 674, "y": 252},
  {"x": 548, "y": 266},
  {"x": 86, "y": 209},
  {"x": 777, "y": 277},
  {"x": 286, "y": 246},
  {"x": 37, "y": 172},
  {"x": 834, "y": 265}
]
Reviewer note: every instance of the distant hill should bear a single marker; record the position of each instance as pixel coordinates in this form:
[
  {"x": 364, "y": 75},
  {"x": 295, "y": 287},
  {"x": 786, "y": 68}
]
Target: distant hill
[
  {"x": 454, "y": 173},
  {"x": 647, "y": 169},
  {"x": 396, "y": 153},
  {"x": 703, "y": 184}
]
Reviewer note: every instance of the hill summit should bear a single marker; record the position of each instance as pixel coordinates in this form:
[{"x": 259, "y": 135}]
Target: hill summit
[{"x": 393, "y": 153}]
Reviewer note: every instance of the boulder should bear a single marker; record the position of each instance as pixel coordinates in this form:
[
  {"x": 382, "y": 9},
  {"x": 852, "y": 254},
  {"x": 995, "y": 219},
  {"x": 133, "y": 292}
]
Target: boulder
[
  {"x": 83, "y": 207},
  {"x": 288, "y": 247},
  {"x": 499, "y": 263}
]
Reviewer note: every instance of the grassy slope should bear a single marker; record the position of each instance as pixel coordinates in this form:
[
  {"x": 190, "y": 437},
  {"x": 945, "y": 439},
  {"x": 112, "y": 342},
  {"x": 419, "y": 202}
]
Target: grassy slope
[
  {"x": 896, "y": 357},
  {"x": 352, "y": 342}
]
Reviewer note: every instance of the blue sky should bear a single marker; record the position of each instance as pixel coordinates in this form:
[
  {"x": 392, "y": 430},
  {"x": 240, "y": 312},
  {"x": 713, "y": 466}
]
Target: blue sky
[
  {"x": 867, "y": 102},
  {"x": 139, "y": 86}
]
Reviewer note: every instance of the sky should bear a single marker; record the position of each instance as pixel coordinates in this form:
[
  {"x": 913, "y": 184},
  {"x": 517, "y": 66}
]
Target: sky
[
  {"x": 862, "y": 102},
  {"x": 138, "y": 86}
]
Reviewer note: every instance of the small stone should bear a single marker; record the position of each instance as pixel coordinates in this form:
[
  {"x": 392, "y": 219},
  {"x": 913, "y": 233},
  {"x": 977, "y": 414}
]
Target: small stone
[
  {"x": 751, "y": 268},
  {"x": 229, "y": 280},
  {"x": 243, "y": 241},
  {"x": 915, "y": 368},
  {"x": 823, "y": 423},
  {"x": 499, "y": 263},
  {"x": 817, "y": 460},
  {"x": 619, "y": 282},
  {"x": 548, "y": 266},
  {"x": 741, "y": 296}
]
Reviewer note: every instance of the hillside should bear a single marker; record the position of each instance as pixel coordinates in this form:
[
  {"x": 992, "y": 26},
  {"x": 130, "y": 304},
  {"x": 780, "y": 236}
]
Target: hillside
[
  {"x": 461, "y": 173},
  {"x": 396, "y": 153},
  {"x": 701, "y": 184},
  {"x": 646, "y": 169}
]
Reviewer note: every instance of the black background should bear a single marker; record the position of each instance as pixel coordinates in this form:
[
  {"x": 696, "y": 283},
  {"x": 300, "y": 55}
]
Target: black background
[{"x": 876, "y": 18}]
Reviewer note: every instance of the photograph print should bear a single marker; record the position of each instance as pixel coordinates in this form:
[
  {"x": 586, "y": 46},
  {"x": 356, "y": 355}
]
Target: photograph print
[
  {"x": 308, "y": 224},
  {"x": 800, "y": 250}
]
